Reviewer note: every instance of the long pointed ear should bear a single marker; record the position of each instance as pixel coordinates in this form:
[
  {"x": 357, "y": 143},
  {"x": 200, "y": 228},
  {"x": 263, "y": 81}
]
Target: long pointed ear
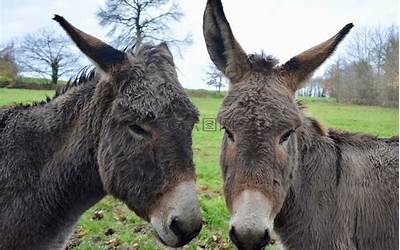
[
  {"x": 224, "y": 50},
  {"x": 299, "y": 68},
  {"x": 101, "y": 53}
]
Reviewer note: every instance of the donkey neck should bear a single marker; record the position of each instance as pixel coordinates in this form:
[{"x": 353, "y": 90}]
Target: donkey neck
[
  {"x": 71, "y": 173},
  {"x": 314, "y": 185},
  {"x": 56, "y": 171}
]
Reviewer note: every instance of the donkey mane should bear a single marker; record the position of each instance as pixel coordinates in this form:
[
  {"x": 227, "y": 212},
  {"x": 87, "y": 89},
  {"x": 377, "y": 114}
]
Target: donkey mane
[
  {"x": 84, "y": 75},
  {"x": 18, "y": 106},
  {"x": 88, "y": 72},
  {"x": 262, "y": 63},
  {"x": 359, "y": 139}
]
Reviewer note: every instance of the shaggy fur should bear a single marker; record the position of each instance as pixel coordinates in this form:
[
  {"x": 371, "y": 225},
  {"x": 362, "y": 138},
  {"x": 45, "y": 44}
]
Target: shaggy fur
[
  {"x": 127, "y": 134},
  {"x": 328, "y": 189}
]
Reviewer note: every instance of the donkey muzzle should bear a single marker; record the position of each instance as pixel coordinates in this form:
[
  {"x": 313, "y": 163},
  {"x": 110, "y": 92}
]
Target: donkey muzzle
[
  {"x": 178, "y": 219},
  {"x": 250, "y": 224}
]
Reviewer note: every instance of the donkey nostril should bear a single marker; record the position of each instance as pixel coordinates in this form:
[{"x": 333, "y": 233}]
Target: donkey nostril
[
  {"x": 265, "y": 240},
  {"x": 249, "y": 240},
  {"x": 184, "y": 235},
  {"x": 233, "y": 237},
  {"x": 175, "y": 227}
]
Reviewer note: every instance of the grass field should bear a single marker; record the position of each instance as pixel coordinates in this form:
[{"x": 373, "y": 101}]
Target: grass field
[
  {"x": 119, "y": 227},
  {"x": 13, "y": 96}
]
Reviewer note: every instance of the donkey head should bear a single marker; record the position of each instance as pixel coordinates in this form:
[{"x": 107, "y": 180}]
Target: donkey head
[
  {"x": 143, "y": 146},
  {"x": 260, "y": 117}
]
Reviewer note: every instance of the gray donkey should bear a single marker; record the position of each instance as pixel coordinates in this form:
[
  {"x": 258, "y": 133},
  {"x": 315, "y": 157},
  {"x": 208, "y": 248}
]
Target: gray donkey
[
  {"x": 282, "y": 171},
  {"x": 124, "y": 132}
]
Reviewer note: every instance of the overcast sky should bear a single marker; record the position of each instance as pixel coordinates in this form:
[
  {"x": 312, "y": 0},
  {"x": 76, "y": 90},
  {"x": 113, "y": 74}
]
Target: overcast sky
[{"x": 282, "y": 28}]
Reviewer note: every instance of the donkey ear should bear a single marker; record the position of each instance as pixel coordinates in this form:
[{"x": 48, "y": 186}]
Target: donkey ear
[
  {"x": 224, "y": 50},
  {"x": 299, "y": 68},
  {"x": 164, "y": 47},
  {"x": 101, "y": 53}
]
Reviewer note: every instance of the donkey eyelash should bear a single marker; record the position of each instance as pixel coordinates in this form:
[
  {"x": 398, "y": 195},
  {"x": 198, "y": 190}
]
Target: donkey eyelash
[
  {"x": 229, "y": 133},
  {"x": 136, "y": 129},
  {"x": 286, "y": 136}
]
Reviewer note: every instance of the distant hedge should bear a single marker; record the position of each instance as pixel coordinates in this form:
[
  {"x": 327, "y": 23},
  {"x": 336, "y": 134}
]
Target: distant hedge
[
  {"x": 44, "y": 84},
  {"x": 204, "y": 93},
  {"x": 29, "y": 83},
  {"x": 26, "y": 85}
]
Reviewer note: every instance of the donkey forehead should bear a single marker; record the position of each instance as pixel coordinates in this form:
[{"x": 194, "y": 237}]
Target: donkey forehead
[
  {"x": 266, "y": 106},
  {"x": 149, "y": 63},
  {"x": 147, "y": 55},
  {"x": 150, "y": 102},
  {"x": 151, "y": 89}
]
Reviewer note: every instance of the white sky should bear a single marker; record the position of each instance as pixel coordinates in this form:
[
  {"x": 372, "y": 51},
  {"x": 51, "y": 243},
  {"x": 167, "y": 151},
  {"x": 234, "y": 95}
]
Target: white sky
[{"x": 282, "y": 28}]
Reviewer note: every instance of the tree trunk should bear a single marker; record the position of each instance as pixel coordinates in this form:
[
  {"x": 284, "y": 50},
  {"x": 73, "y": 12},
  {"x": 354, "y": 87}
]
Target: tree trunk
[
  {"x": 54, "y": 73},
  {"x": 137, "y": 24},
  {"x": 219, "y": 85}
]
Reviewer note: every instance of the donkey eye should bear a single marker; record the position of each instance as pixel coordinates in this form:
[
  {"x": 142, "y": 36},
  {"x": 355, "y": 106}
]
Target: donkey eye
[
  {"x": 229, "y": 134},
  {"x": 136, "y": 129},
  {"x": 286, "y": 136}
]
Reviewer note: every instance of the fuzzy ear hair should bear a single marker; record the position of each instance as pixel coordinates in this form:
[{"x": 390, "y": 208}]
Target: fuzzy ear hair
[
  {"x": 104, "y": 55},
  {"x": 299, "y": 68},
  {"x": 224, "y": 50},
  {"x": 165, "y": 48}
]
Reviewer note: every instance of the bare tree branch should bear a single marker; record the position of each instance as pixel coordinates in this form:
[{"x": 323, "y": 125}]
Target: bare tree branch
[
  {"x": 151, "y": 20},
  {"x": 368, "y": 73},
  {"x": 46, "y": 54},
  {"x": 215, "y": 78}
]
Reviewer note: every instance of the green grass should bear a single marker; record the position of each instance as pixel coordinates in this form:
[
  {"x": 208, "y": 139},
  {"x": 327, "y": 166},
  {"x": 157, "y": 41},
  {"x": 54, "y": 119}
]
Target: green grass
[
  {"x": 134, "y": 232},
  {"x": 379, "y": 121},
  {"x": 13, "y": 96}
]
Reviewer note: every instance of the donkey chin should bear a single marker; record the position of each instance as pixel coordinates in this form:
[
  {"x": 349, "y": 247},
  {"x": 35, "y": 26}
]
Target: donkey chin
[
  {"x": 177, "y": 219},
  {"x": 251, "y": 223}
]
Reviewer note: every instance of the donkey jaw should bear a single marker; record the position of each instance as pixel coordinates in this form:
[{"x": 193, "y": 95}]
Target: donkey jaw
[
  {"x": 251, "y": 222},
  {"x": 177, "y": 220}
]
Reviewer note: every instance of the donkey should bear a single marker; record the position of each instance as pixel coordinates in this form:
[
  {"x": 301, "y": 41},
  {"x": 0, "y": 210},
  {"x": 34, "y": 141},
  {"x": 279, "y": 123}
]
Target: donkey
[
  {"x": 125, "y": 132},
  {"x": 282, "y": 171}
]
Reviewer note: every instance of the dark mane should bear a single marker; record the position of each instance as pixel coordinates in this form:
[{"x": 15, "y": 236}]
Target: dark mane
[
  {"x": 84, "y": 75},
  {"x": 359, "y": 139},
  {"x": 262, "y": 63},
  {"x": 88, "y": 73},
  {"x": 301, "y": 105}
]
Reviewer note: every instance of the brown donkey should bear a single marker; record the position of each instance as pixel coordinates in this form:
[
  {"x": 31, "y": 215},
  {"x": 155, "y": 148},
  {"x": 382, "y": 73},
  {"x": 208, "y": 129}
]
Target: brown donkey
[
  {"x": 282, "y": 171},
  {"x": 126, "y": 131}
]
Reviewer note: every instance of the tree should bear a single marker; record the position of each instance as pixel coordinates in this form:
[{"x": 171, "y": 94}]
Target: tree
[
  {"x": 47, "y": 54},
  {"x": 368, "y": 72},
  {"x": 215, "y": 78},
  {"x": 360, "y": 45},
  {"x": 391, "y": 67},
  {"x": 148, "y": 20},
  {"x": 333, "y": 79},
  {"x": 8, "y": 66},
  {"x": 363, "y": 81}
]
